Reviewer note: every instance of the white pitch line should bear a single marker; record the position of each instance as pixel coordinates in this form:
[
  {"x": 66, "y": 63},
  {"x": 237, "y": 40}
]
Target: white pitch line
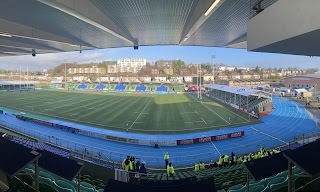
[
  {"x": 194, "y": 122},
  {"x": 215, "y": 148},
  {"x": 268, "y": 135},
  {"x": 213, "y": 112},
  {"x": 141, "y": 112},
  {"x": 196, "y": 112},
  {"x": 204, "y": 121},
  {"x": 189, "y": 104},
  {"x": 216, "y": 113}
]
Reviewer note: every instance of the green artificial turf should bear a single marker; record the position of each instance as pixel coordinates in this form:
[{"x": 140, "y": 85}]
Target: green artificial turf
[{"x": 143, "y": 113}]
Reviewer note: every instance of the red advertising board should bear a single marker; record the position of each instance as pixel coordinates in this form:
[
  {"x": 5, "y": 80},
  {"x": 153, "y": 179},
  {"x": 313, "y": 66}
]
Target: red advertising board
[
  {"x": 210, "y": 138},
  {"x": 42, "y": 122}
]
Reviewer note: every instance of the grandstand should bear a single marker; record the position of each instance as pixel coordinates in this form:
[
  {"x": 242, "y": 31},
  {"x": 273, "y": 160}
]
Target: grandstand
[
  {"x": 17, "y": 85},
  {"x": 244, "y": 99}
]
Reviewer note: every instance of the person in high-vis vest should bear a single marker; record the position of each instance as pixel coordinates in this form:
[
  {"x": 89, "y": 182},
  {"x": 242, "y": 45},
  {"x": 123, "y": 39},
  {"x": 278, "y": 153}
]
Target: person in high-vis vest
[
  {"x": 220, "y": 162},
  {"x": 201, "y": 166},
  {"x": 239, "y": 160},
  {"x": 126, "y": 164},
  {"x": 275, "y": 151},
  {"x": 131, "y": 164},
  {"x": 170, "y": 170},
  {"x": 166, "y": 159},
  {"x": 196, "y": 167},
  {"x": 226, "y": 160}
]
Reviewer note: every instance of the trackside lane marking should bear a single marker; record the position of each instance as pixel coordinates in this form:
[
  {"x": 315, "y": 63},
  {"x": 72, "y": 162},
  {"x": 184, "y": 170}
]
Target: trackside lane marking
[
  {"x": 268, "y": 135},
  {"x": 204, "y": 121},
  {"x": 215, "y": 148}
]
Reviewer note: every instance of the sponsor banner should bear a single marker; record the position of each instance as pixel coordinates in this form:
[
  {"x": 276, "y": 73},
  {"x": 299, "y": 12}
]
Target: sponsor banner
[
  {"x": 185, "y": 142},
  {"x": 42, "y": 122},
  {"x": 114, "y": 138},
  {"x": 159, "y": 142},
  {"x": 133, "y": 141},
  {"x": 210, "y": 138},
  {"x": 64, "y": 128}
]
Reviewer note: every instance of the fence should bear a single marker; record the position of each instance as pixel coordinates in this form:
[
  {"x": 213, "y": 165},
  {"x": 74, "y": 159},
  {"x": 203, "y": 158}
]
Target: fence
[
  {"x": 92, "y": 153},
  {"x": 110, "y": 158}
]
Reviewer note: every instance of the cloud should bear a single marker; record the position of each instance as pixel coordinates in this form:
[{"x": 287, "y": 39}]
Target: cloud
[{"x": 45, "y": 61}]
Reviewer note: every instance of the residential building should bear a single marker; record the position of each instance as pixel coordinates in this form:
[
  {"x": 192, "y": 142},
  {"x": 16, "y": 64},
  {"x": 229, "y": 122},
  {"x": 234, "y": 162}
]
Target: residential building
[
  {"x": 164, "y": 63},
  {"x": 91, "y": 70},
  {"x": 222, "y": 76},
  {"x": 178, "y": 79},
  {"x": 112, "y": 69},
  {"x": 131, "y": 65},
  {"x": 154, "y": 72},
  {"x": 168, "y": 71},
  {"x": 207, "y": 78},
  {"x": 145, "y": 79}
]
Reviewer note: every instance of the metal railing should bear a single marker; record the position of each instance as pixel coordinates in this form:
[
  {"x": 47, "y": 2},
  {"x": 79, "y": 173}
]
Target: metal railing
[
  {"x": 95, "y": 154},
  {"x": 113, "y": 158}
]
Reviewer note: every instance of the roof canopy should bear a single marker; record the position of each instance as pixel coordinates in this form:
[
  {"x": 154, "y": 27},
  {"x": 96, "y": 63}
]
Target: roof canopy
[
  {"x": 236, "y": 90},
  {"x": 97, "y": 24}
]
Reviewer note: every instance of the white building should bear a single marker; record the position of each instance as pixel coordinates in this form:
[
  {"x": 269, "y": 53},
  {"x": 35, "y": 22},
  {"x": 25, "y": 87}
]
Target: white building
[{"x": 131, "y": 65}]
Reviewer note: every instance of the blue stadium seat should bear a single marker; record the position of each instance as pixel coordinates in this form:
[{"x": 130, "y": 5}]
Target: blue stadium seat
[
  {"x": 162, "y": 88},
  {"x": 141, "y": 88},
  {"x": 120, "y": 87},
  {"x": 82, "y": 86},
  {"x": 101, "y": 86}
]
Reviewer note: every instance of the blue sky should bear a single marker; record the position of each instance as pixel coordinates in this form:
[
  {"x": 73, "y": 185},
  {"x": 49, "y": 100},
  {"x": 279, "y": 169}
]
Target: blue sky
[{"x": 189, "y": 54}]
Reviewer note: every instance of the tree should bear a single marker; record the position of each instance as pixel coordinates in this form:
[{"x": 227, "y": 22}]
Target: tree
[{"x": 176, "y": 65}]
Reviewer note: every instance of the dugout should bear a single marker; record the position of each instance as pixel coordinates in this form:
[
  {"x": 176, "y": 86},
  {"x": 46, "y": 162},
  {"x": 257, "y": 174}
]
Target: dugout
[
  {"x": 241, "y": 98},
  {"x": 17, "y": 85}
]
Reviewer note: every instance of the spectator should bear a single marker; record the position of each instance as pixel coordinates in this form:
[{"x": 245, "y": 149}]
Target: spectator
[
  {"x": 220, "y": 162},
  {"x": 201, "y": 165},
  {"x": 226, "y": 160},
  {"x": 166, "y": 159},
  {"x": 143, "y": 169},
  {"x": 126, "y": 163},
  {"x": 233, "y": 158},
  {"x": 131, "y": 164},
  {"x": 138, "y": 166},
  {"x": 196, "y": 167},
  {"x": 170, "y": 170}
]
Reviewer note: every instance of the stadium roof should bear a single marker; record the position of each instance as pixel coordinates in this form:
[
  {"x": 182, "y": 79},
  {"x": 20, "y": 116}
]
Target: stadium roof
[
  {"x": 18, "y": 82},
  {"x": 60, "y": 26},
  {"x": 236, "y": 90}
]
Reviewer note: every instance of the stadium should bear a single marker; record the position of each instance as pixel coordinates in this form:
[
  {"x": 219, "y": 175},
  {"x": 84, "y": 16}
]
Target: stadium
[{"x": 96, "y": 136}]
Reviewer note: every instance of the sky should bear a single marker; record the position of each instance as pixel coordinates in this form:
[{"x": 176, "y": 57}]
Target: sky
[{"x": 189, "y": 54}]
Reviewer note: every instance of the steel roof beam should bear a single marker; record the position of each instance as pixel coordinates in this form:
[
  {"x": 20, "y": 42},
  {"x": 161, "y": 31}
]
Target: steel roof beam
[
  {"x": 199, "y": 17},
  {"x": 84, "y": 16}
]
